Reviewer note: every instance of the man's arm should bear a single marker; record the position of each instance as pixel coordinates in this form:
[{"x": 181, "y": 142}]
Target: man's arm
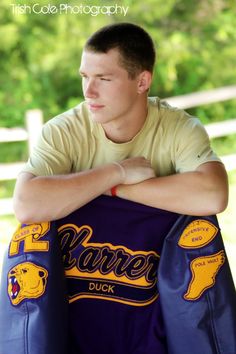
[
  {"x": 41, "y": 198},
  {"x": 201, "y": 192}
]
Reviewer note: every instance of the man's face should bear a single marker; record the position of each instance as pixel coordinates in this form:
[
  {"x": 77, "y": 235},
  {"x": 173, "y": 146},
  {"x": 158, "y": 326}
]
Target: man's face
[{"x": 109, "y": 92}]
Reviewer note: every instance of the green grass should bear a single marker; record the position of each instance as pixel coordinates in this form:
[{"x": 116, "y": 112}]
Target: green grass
[
  {"x": 6, "y": 188},
  {"x": 13, "y": 151},
  {"x": 224, "y": 145},
  {"x": 8, "y": 225},
  {"x": 227, "y": 218},
  {"x": 228, "y": 224}
]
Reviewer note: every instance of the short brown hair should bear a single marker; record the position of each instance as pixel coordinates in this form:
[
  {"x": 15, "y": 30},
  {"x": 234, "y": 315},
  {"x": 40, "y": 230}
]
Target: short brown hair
[{"x": 134, "y": 44}]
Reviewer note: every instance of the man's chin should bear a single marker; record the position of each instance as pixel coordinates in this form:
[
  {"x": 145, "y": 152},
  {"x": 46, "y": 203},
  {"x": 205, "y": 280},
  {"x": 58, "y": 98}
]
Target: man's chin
[{"x": 98, "y": 118}]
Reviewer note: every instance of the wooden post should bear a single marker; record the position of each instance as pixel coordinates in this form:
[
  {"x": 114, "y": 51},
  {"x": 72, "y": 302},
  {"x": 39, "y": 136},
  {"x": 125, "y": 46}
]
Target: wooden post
[{"x": 34, "y": 123}]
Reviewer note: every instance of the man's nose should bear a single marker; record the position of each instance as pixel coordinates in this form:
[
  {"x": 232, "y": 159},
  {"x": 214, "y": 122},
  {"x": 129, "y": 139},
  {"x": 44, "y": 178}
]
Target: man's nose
[{"x": 90, "y": 90}]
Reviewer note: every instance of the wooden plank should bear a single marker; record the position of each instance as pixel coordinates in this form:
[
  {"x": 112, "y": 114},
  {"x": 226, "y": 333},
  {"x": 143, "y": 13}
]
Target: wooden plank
[
  {"x": 13, "y": 134},
  {"x": 223, "y": 128},
  {"x": 203, "y": 97},
  {"x": 229, "y": 162},
  {"x": 6, "y": 206},
  {"x": 10, "y": 170},
  {"x": 34, "y": 123}
]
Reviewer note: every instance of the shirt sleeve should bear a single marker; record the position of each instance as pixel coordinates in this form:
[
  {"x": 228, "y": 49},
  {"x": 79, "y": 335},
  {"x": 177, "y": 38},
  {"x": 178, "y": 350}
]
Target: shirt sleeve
[
  {"x": 51, "y": 155},
  {"x": 192, "y": 145}
]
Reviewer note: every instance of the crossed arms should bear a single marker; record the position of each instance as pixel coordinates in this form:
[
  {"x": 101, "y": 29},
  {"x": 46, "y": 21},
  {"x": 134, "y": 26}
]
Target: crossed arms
[{"x": 200, "y": 192}]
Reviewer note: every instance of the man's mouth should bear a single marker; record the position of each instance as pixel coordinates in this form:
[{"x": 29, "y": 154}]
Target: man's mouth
[{"x": 95, "y": 107}]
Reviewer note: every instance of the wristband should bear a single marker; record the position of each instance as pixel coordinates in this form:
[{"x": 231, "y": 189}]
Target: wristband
[{"x": 113, "y": 191}]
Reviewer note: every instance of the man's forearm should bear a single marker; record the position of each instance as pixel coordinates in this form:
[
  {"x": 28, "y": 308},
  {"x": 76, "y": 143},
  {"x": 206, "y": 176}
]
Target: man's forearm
[
  {"x": 191, "y": 193},
  {"x": 48, "y": 198}
]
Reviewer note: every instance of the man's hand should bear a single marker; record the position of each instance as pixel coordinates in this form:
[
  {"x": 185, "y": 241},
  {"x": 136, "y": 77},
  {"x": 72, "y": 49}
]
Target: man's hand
[{"x": 136, "y": 170}]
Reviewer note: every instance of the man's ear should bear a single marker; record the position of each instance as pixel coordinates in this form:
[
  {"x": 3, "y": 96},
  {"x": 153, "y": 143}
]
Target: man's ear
[{"x": 144, "y": 81}]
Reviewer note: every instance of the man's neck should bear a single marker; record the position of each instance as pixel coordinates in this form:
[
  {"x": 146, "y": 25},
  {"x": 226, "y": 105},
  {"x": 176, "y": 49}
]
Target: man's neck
[{"x": 126, "y": 128}]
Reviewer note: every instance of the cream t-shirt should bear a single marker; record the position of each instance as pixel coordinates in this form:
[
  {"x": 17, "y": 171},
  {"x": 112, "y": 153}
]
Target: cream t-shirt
[{"x": 171, "y": 139}]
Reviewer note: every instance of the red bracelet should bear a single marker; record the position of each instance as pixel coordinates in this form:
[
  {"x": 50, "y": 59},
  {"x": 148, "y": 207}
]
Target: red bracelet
[{"x": 113, "y": 191}]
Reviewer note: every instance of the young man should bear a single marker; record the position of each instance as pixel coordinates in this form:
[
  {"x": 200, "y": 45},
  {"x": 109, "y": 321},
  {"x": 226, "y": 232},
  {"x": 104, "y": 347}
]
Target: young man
[
  {"x": 154, "y": 154},
  {"x": 143, "y": 151}
]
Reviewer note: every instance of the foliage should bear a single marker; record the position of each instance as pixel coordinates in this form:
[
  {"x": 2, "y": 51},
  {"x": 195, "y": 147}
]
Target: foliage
[{"x": 40, "y": 53}]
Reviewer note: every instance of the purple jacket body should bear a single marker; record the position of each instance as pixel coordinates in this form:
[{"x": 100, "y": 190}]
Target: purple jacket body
[{"x": 117, "y": 277}]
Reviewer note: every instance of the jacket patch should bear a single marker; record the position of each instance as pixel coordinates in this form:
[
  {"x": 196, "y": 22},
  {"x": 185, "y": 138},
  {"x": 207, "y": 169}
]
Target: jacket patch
[
  {"x": 197, "y": 234},
  {"x": 30, "y": 236},
  {"x": 204, "y": 270},
  {"x": 26, "y": 281},
  {"x": 105, "y": 271}
]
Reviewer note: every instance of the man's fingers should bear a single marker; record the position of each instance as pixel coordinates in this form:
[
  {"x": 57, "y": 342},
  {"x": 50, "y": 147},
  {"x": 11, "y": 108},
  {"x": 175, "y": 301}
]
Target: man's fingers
[{"x": 137, "y": 169}]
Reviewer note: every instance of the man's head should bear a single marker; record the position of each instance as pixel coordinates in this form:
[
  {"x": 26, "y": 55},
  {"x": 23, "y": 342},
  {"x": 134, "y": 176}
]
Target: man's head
[
  {"x": 116, "y": 69},
  {"x": 135, "y": 46}
]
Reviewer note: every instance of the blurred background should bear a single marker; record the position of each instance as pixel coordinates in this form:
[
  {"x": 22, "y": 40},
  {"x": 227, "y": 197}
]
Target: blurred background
[{"x": 40, "y": 55}]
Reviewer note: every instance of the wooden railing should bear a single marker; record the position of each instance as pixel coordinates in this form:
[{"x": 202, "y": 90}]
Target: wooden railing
[
  {"x": 215, "y": 130},
  {"x": 34, "y": 121},
  {"x": 8, "y": 171}
]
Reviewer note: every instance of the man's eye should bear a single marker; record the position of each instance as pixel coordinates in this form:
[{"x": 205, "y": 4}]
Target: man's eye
[
  {"x": 104, "y": 79},
  {"x": 83, "y": 76}
]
